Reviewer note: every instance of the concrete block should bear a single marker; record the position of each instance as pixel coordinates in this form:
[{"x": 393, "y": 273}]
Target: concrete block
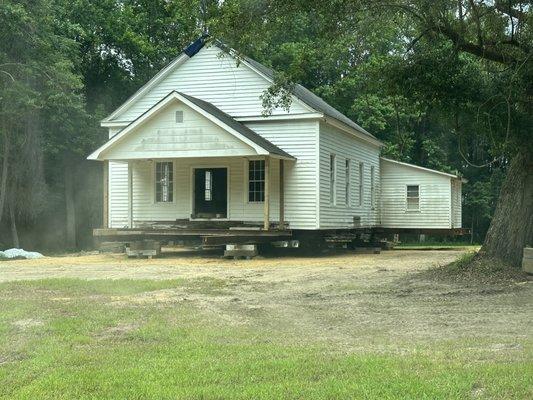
[
  {"x": 240, "y": 250},
  {"x": 144, "y": 248}
]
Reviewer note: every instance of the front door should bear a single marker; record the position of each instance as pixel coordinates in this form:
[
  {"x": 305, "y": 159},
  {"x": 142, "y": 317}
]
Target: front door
[{"x": 210, "y": 193}]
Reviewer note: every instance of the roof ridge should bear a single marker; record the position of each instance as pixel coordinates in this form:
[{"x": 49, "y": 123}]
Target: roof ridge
[{"x": 303, "y": 94}]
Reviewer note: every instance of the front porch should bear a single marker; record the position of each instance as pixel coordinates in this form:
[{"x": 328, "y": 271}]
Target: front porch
[
  {"x": 192, "y": 193},
  {"x": 185, "y": 159}
]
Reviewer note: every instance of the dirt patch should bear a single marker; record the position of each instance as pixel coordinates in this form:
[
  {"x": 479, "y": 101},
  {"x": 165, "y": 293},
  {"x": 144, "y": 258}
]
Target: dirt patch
[
  {"x": 355, "y": 302},
  {"x": 27, "y": 323},
  {"x": 472, "y": 268},
  {"x": 119, "y": 330}
]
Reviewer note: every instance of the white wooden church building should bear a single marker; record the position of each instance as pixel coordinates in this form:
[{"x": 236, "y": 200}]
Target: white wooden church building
[{"x": 193, "y": 144}]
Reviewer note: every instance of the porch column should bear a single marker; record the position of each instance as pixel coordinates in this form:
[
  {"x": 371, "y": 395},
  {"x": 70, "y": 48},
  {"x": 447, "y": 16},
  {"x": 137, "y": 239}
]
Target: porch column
[
  {"x": 266, "y": 211},
  {"x": 130, "y": 194},
  {"x": 105, "y": 199},
  {"x": 281, "y": 194}
]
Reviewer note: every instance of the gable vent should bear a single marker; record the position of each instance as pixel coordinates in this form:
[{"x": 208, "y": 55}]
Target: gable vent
[{"x": 179, "y": 116}]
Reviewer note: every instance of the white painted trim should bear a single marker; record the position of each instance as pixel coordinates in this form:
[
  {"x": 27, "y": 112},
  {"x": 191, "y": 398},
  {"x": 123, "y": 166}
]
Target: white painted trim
[
  {"x": 130, "y": 194},
  {"x": 262, "y": 118},
  {"x": 248, "y": 118},
  {"x": 148, "y": 85},
  {"x": 360, "y": 135},
  {"x": 317, "y": 172},
  {"x": 246, "y": 179},
  {"x": 114, "y": 124},
  {"x": 419, "y": 209},
  {"x": 152, "y": 183},
  {"x": 333, "y": 182},
  {"x": 422, "y": 168},
  {"x": 96, "y": 155},
  {"x": 192, "y": 192}
]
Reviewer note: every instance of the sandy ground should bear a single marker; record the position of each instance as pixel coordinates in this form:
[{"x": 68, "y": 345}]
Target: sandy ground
[
  {"x": 352, "y": 301},
  {"x": 195, "y": 265}
]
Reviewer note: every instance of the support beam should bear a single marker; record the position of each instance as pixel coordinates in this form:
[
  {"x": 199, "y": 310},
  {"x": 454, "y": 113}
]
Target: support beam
[
  {"x": 281, "y": 194},
  {"x": 130, "y": 194},
  {"x": 105, "y": 199},
  {"x": 266, "y": 211}
]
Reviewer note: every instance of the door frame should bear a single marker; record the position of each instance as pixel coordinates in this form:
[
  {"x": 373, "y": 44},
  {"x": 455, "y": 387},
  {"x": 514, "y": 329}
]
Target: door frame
[{"x": 193, "y": 189}]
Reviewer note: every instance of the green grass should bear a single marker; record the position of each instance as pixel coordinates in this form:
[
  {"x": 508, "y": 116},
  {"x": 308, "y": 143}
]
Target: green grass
[{"x": 73, "y": 339}]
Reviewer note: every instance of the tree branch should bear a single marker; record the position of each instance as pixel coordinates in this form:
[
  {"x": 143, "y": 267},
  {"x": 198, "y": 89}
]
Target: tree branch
[{"x": 477, "y": 50}]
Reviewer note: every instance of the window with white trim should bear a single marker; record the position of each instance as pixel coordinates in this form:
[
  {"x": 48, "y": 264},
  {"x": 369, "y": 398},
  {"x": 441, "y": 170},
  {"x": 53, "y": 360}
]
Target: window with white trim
[
  {"x": 164, "y": 182},
  {"x": 372, "y": 188},
  {"x": 361, "y": 181},
  {"x": 348, "y": 178},
  {"x": 256, "y": 181},
  {"x": 413, "y": 197},
  {"x": 333, "y": 179}
]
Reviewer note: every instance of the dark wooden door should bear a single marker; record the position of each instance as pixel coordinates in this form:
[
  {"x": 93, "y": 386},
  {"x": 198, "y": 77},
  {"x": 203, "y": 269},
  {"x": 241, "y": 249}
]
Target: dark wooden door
[{"x": 210, "y": 192}]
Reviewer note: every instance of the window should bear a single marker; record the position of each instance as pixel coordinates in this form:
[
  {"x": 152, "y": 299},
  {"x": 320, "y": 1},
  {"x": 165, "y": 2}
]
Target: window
[
  {"x": 372, "y": 188},
  {"x": 256, "y": 181},
  {"x": 413, "y": 198},
  {"x": 208, "y": 196},
  {"x": 332, "y": 179},
  {"x": 347, "y": 174},
  {"x": 179, "y": 117},
  {"x": 361, "y": 177},
  {"x": 164, "y": 182}
]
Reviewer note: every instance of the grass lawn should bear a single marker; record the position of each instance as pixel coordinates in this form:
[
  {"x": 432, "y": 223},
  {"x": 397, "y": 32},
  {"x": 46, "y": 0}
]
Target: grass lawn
[{"x": 171, "y": 339}]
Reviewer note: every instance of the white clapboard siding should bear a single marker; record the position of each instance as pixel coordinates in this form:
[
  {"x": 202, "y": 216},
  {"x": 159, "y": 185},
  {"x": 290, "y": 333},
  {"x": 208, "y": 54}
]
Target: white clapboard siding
[
  {"x": 161, "y": 136},
  {"x": 213, "y": 76},
  {"x": 299, "y": 139},
  {"x": 146, "y": 209},
  {"x": 118, "y": 194},
  {"x": 434, "y": 192},
  {"x": 345, "y": 146},
  {"x": 456, "y": 203}
]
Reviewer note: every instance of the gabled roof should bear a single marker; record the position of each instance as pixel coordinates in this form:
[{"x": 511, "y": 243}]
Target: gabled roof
[
  {"x": 237, "y": 126},
  {"x": 242, "y": 132},
  {"x": 300, "y": 92},
  {"x": 434, "y": 171},
  {"x": 311, "y": 99}
]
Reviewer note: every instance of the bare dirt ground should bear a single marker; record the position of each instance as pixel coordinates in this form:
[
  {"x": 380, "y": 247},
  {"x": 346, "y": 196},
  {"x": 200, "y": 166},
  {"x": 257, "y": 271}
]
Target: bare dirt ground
[{"x": 354, "y": 302}]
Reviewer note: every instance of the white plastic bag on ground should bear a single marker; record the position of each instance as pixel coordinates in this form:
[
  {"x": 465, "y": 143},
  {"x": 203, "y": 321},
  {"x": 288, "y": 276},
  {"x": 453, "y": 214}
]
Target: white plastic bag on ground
[{"x": 21, "y": 253}]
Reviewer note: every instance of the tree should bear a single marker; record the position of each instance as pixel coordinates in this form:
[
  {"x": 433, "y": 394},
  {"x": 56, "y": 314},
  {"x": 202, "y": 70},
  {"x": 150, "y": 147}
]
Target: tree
[
  {"x": 464, "y": 68},
  {"x": 37, "y": 84}
]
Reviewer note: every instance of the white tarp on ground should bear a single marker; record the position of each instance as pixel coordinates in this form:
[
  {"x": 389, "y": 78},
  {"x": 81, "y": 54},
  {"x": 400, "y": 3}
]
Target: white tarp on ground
[{"x": 20, "y": 253}]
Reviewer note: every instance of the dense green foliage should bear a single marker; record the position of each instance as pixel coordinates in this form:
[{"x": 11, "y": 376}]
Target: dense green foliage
[{"x": 444, "y": 84}]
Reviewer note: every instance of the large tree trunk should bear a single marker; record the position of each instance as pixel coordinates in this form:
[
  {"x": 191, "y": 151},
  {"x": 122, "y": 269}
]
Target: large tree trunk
[{"x": 511, "y": 228}]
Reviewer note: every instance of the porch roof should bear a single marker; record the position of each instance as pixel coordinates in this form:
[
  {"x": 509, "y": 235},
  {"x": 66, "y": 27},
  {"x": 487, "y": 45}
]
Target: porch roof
[{"x": 208, "y": 110}]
